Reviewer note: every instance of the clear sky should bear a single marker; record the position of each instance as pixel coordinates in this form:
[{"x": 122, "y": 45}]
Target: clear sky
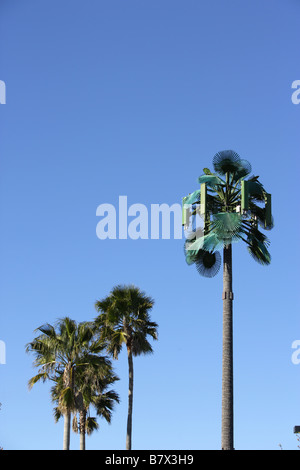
[{"x": 134, "y": 97}]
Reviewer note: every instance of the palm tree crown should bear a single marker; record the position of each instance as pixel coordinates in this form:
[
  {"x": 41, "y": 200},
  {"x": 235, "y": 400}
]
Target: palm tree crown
[
  {"x": 233, "y": 207},
  {"x": 124, "y": 319}
]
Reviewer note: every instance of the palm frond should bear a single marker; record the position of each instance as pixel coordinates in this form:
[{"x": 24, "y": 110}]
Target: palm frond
[
  {"x": 243, "y": 170},
  {"x": 57, "y": 414},
  {"x": 91, "y": 425},
  {"x": 226, "y": 161},
  {"x": 257, "y": 244},
  {"x": 192, "y": 198},
  {"x": 256, "y": 189},
  {"x": 211, "y": 180},
  {"x": 47, "y": 330},
  {"x": 209, "y": 242},
  {"x": 190, "y": 256},
  {"x": 226, "y": 225},
  {"x": 140, "y": 345},
  {"x": 259, "y": 252},
  {"x": 67, "y": 399},
  {"x": 43, "y": 376},
  {"x": 208, "y": 263}
]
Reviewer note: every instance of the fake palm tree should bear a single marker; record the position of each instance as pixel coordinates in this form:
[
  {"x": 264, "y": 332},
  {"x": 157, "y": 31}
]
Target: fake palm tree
[
  {"x": 232, "y": 206},
  {"x": 124, "y": 319}
]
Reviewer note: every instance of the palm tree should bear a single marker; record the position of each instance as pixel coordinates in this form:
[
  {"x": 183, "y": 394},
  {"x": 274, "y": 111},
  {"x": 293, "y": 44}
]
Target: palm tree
[
  {"x": 60, "y": 352},
  {"x": 233, "y": 208},
  {"x": 124, "y": 319},
  {"x": 92, "y": 390}
]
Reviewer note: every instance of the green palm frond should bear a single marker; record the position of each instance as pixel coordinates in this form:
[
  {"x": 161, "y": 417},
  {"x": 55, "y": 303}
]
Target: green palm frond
[
  {"x": 244, "y": 169},
  {"x": 47, "y": 330},
  {"x": 140, "y": 345},
  {"x": 57, "y": 414},
  {"x": 209, "y": 242},
  {"x": 91, "y": 425},
  {"x": 257, "y": 245},
  {"x": 226, "y": 161},
  {"x": 259, "y": 252},
  {"x": 43, "y": 376},
  {"x": 208, "y": 263},
  {"x": 115, "y": 342},
  {"x": 67, "y": 399},
  {"x": 211, "y": 180},
  {"x": 256, "y": 189},
  {"x": 190, "y": 256},
  {"x": 104, "y": 404},
  {"x": 226, "y": 225},
  {"x": 253, "y": 234},
  {"x": 192, "y": 198}
]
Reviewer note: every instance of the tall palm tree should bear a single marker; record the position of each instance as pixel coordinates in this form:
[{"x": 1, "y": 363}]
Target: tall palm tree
[
  {"x": 233, "y": 207},
  {"x": 124, "y": 319},
  {"x": 60, "y": 351}
]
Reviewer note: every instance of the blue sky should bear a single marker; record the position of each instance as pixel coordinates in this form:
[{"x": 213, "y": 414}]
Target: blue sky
[{"x": 109, "y": 98}]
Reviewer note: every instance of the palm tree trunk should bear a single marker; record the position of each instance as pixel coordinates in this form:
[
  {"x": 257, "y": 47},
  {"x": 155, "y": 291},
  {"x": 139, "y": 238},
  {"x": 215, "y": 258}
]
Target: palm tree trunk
[
  {"x": 67, "y": 423},
  {"x": 130, "y": 399},
  {"x": 68, "y": 378},
  {"x": 227, "y": 366},
  {"x": 82, "y": 420}
]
